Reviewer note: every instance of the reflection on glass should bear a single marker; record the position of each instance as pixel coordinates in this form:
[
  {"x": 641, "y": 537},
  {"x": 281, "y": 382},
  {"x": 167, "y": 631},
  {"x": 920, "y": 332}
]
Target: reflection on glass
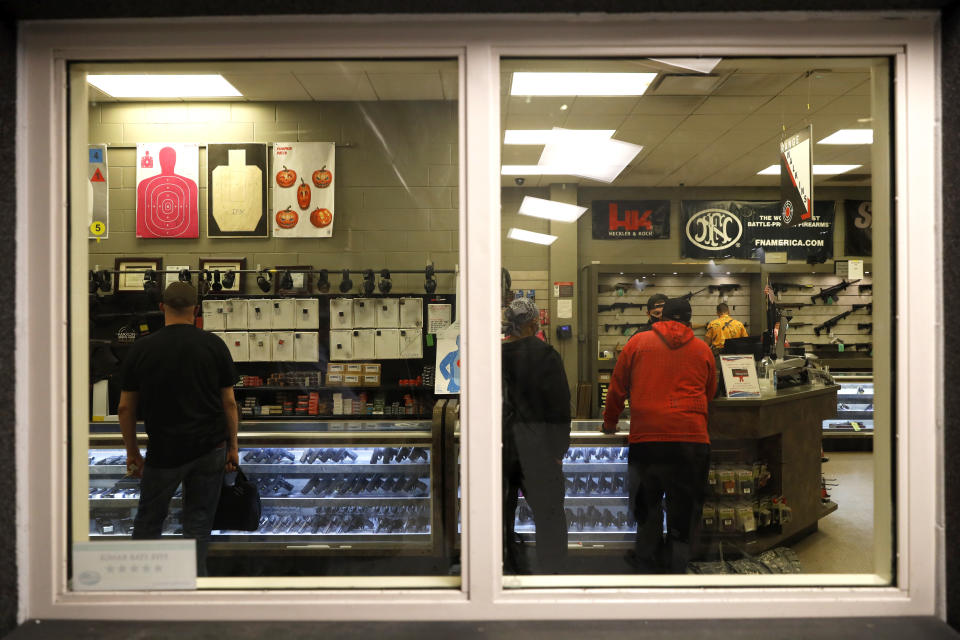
[{"x": 684, "y": 459}]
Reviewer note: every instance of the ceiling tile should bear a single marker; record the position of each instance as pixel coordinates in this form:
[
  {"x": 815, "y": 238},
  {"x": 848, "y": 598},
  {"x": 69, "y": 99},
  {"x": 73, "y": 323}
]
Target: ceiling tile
[
  {"x": 755, "y": 84},
  {"x": 852, "y": 105},
  {"x": 652, "y": 122},
  {"x": 794, "y": 105},
  {"x": 267, "y": 86},
  {"x": 825, "y": 83},
  {"x": 708, "y": 123},
  {"x": 520, "y": 154},
  {"x": 541, "y": 105},
  {"x": 605, "y": 106},
  {"x": 354, "y": 86},
  {"x": 407, "y": 86},
  {"x": 666, "y": 105},
  {"x": 730, "y": 104},
  {"x": 534, "y": 121},
  {"x": 587, "y": 121}
]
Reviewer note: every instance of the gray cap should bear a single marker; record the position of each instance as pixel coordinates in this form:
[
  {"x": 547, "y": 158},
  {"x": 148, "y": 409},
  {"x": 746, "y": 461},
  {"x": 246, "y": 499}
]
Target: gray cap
[{"x": 180, "y": 295}]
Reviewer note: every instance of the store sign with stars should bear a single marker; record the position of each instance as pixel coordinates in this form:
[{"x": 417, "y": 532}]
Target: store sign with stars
[{"x": 134, "y": 565}]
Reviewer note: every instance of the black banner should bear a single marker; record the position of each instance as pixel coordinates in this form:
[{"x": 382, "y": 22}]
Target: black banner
[
  {"x": 738, "y": 229},
  {"x": 631, "y": 219},
  {"x": 858, "y": 215}
]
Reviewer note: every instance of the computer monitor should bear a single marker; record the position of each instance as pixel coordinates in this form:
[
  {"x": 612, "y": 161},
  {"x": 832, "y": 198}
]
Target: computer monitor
[{"x": 752, "y": 345}]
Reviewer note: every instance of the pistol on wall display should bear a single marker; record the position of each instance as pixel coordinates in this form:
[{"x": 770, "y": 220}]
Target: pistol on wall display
[
  {"x": 829, "y": 295},
  {"x": 865, "y": 288}
]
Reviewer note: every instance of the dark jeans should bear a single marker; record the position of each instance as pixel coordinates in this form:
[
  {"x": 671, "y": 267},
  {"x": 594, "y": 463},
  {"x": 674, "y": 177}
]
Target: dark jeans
[
  {"x": 671, "y": 478},
  {"x": 538, "y": 473},
  {"x": 201, "y": 479}
]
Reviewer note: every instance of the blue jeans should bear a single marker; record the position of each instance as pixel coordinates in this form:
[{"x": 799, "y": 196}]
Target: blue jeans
[{"x": 201, "y": 479}]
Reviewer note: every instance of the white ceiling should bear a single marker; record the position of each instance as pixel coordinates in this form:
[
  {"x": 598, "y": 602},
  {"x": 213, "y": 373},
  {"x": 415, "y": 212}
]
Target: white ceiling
[{"x": 695, "y": 129}]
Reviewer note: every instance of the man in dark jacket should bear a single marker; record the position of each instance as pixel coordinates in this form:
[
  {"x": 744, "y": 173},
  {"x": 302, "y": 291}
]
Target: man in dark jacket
[
  {"x": 181, "y": 380},
  {"x": 536, "y": 434},
  {"x": 670, "y": 378}
]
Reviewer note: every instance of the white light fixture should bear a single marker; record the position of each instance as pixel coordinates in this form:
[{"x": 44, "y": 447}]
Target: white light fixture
[
  {"x": 818, "y": 169},
  {"x": 164, "y": 86},
  {"x": 530, "y": 236},
  {"x": 543, "y": 136},
  {"x": 700, "y": 65},
  {"x": 526, "y": 83},
  {"x": 559, "y": 211},
  {"x": 603, "y": 160},
  {"x": 849, "y": 136}
]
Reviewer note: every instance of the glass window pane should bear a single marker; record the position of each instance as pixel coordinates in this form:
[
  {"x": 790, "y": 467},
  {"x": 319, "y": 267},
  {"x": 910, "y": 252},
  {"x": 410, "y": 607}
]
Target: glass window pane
[
  {"x": 667, "y": 284},
  {"x": 312, "y": 207}
]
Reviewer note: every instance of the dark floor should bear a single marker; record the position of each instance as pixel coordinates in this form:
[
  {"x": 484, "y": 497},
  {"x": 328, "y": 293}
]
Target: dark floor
[{"x": 825, "y": 629}]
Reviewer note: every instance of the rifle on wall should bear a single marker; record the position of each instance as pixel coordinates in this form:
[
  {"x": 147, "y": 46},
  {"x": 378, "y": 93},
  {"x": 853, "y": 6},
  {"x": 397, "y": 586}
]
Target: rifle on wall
[
  {"x": 690, "y": 294},
  {"x": 780, "y": 287},
  {"x": 622, "y": 328},
  {"x": 619, "y": 307},
  {"x": 865, "y": 326},
  {"x": 723, "y": 289},
  {"x": 832, "y": 322},
  {"x": 829, "y": 294}
]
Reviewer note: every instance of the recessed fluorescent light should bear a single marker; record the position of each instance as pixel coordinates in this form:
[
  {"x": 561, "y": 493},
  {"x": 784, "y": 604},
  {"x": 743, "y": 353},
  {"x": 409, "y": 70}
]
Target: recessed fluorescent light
[
  {"x": 588, "y": 157},
  {"x": 818, "y": 169},
  {"x": 543, "y": 136},
  {"x": 559, "y": 211},
  {"x": 700, "y": 65},
  {"x": 530, "y": 236},
  {"x": 164, "y": 86},
  {"x": 526, "y": 83},
  {"x": 849, "y": 136}
]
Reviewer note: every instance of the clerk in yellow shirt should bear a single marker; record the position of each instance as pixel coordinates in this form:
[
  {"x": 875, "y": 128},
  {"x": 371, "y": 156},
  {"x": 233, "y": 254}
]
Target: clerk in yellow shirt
[{"x": 723, "y": 327}]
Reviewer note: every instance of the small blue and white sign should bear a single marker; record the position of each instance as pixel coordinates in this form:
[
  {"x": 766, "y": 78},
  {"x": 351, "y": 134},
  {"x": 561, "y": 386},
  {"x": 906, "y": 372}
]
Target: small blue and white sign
[{"x": 96, "y": 155}]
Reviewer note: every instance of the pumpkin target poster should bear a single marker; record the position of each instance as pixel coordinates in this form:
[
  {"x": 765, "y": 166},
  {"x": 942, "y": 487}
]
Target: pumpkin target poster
[
  {"x": 167, "y": 190},
  {"x": 237, "y": 197},
  {"x": 303, "y": 179}
]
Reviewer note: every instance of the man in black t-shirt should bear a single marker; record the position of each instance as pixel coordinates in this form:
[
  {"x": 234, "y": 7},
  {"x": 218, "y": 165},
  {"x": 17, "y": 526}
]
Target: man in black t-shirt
[{"x": 181, "y": 380}]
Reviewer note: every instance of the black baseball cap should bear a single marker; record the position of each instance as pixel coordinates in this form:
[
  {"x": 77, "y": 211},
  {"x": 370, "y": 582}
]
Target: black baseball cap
[
  {"x": 180, "y": 295},
  {"x": 677, "y": 309}
]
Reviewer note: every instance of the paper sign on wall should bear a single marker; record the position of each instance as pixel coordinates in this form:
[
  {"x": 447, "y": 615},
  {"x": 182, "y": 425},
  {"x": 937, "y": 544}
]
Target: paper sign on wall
[
  {"x": 303, "y": 181},
  {"x": 98, "y": 193},
  {"x": 438, "y": 317},
  {"x": 134, "y": 565},
  {"x": 447, "y": 378},
  {"x": 237, "y": 198},
  {"x": 167, "y": 193}
]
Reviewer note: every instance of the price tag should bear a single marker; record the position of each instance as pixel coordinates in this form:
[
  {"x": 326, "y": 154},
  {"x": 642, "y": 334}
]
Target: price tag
[{"x": 855, "y": 425}]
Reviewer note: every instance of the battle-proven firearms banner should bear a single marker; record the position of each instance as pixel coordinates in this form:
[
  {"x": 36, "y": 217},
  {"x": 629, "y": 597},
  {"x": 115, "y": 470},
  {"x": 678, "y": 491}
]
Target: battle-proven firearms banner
[
  {"x": 718, "y": 229},
  {"x": 858, "y": 215},
  {"x": 630, "y": 219}
]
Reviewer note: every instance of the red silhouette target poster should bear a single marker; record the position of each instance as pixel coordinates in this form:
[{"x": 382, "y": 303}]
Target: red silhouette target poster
[
  {"x": 303, "y": 179},
  {"x": 167, "y": 194}
]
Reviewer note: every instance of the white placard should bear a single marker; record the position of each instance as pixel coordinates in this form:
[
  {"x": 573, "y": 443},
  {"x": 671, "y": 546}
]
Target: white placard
[
  {"x": 138, "y": 565},
  {"x": 564, "y": 309},
  {"x": 849, "y": 269},
  {"x": 173, "y": 277},
  {"x": 740, "y": 376},
  {"x": 447, "y": 375},
  {"x": 438, "y": 317}
]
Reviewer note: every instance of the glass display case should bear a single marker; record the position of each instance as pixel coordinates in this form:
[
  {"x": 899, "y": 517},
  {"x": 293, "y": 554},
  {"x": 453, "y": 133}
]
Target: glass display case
[
  {"x": 351, "y": 485},
  {"x": 854, "y": 419}
]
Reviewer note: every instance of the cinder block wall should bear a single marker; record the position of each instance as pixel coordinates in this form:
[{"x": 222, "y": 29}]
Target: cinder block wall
[{"x": 396, "y": 190}]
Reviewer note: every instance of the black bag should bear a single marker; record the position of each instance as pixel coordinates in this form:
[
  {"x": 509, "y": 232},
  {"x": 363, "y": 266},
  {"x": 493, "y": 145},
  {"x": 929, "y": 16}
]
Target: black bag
[{"x": 239, "y": 506}]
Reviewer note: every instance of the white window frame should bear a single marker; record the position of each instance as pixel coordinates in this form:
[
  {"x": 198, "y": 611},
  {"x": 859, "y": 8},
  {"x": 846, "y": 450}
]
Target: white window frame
[{"x": 42, "y": 310}]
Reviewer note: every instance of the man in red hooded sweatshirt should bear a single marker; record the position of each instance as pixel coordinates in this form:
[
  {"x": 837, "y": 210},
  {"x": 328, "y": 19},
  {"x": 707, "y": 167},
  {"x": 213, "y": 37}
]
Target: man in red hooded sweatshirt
[{"x": 670, "y": 378}]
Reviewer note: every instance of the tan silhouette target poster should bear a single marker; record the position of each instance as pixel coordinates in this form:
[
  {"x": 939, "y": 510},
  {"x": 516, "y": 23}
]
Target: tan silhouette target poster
[
  {"x": 237, "y": 194},
  {"x": 167, "y": 192},
  {"x": 303, "y": 178}
]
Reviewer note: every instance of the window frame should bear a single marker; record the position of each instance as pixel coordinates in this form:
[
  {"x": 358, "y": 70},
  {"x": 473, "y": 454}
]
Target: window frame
[{"x": 46, "y": 253}]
